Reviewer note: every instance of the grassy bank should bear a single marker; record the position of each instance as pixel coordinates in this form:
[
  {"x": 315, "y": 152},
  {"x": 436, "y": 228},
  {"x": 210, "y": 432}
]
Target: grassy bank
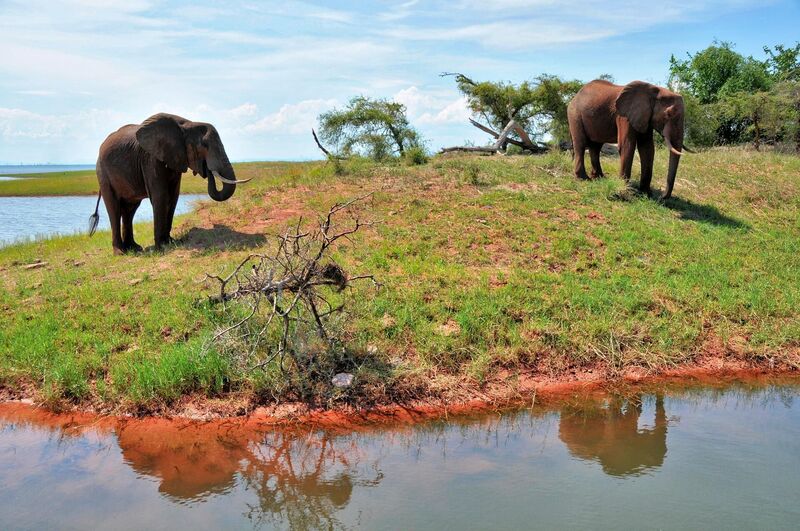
[
  {"x": 81, "y": 182},
  {"x": 491, "y": 267}
]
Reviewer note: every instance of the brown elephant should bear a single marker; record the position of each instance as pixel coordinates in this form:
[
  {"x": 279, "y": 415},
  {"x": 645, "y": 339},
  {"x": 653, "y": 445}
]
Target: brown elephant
[
  {"x": 147, "y": 160},
  {"x": 611, "y": 436},
  {"x": 602, "y": 112}
]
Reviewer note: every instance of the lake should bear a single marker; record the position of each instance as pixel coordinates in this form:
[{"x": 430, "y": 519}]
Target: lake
[
  {"x": 22, "y": 169},
  {"x": 701, "y": 458},
  {"x": 23, "y": 218}
]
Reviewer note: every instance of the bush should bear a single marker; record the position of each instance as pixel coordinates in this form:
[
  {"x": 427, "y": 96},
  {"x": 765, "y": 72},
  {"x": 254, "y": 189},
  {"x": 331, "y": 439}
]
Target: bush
[{"x": 416, "y": 156}]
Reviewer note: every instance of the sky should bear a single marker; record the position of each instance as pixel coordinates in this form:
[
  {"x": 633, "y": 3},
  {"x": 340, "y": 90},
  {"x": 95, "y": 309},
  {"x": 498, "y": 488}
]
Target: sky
[{"x": 71, "y": 72}]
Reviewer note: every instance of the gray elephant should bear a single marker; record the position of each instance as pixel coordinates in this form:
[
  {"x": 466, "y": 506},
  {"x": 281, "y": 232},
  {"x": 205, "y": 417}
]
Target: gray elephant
[
  {"x": 602, "y": 112},
  {"x": 147, "y": 160}
]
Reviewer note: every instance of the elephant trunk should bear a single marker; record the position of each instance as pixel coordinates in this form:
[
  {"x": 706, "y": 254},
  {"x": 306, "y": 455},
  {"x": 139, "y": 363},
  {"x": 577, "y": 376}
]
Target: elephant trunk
[
  {"x": 228, "y": 186},
  {"x": 674, "y": 141}
]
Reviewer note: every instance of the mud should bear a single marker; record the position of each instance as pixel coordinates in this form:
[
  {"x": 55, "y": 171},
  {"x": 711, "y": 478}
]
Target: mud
[{"x": 507, "y": 391}]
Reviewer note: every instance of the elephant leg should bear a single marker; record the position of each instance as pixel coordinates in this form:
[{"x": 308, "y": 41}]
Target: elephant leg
[
  {"x": 114, "y": 213},
  {"x": 128, "y": 209},
  {"x": 626, "y": 142},
  {"x": 161, "y": 221},
  {"x": 594, "y": 156},
  {"x": 579, "y": 152},
  {"x": 647, "y": 153},
  {"x": 173, "y": 202}
]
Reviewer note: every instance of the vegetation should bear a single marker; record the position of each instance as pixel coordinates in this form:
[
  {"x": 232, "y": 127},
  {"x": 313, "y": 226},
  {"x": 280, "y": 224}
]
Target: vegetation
[
  {"x": 538, "y": 106},
  {"x": 83, "y": 182},
  {"x": 733, "y": 99},
  {"x": 491, "y": 268},
  {"x": 378, "y": 129}
]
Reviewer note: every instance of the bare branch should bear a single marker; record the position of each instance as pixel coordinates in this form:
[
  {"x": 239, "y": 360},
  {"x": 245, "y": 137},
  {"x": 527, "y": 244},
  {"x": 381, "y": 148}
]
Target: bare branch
[{"x": 287, "y": 285}]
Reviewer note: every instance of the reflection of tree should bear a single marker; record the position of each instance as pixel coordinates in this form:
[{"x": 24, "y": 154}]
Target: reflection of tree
[
  {"x": 301, "y": 479},
  {"x": 611, "y": 435}
]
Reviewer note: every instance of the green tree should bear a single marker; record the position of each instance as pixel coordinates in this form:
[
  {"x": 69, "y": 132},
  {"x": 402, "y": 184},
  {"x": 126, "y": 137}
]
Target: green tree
[
  {"x": 783, "y": 62},
  {"x": 538, "y": 106},
  {"x": 378, "y": 129}
]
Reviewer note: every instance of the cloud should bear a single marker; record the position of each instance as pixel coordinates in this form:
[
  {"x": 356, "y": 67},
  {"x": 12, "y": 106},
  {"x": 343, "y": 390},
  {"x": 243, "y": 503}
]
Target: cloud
[
  {"x": 22, "y": 123},
  {"x": 434, "y": 107},
  {"x": 454, "y": 112},
  {"x": 517, "y": 36},
  {"x": 295, "y": 118}
]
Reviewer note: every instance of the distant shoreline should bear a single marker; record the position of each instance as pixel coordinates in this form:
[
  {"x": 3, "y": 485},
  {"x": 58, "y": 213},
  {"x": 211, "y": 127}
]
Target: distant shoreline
[{"x": 25, "y": 169}]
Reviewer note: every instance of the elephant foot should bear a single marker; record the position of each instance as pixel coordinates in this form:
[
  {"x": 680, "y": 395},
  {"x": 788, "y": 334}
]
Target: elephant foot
[
  {"x": 598, "y": 175},
  {"x": 118, "y": 251},
  {"x": 134, "y": 248},
  {"x": 582, "y": 176}
]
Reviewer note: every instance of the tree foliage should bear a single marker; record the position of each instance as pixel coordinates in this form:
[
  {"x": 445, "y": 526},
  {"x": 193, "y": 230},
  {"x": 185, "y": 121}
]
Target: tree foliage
[
  {"x": 378, "y": 129},
  {"x": 731, "y": 98},
  {"x": 539, "y": 106}
]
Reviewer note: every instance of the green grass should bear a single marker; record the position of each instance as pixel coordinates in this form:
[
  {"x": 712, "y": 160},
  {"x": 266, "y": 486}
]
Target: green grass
[
  {"x": 486, "y": 264},
  {"x": 80, "y": 182}
]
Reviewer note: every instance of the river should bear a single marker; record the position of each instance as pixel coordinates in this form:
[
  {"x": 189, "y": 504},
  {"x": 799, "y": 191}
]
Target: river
[
  {"x": 702, "y": 458},
  {"x": 24, "y": 218}
]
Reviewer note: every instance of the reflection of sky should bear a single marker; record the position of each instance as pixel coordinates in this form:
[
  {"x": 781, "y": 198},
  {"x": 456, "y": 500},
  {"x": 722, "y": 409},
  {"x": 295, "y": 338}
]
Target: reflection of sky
[{"x": 732, "y": 461}]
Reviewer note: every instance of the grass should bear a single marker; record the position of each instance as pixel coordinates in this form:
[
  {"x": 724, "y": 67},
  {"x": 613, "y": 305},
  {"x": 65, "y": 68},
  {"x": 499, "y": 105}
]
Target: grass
[
  {"x": 81, "y": 182},
  {"x": 489, "y": 266}
]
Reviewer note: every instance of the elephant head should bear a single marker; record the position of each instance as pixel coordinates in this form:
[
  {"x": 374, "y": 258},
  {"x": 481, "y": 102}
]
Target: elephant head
[
  {"x": 649, "y": 107},
  {"x": 181, "y": 144}
]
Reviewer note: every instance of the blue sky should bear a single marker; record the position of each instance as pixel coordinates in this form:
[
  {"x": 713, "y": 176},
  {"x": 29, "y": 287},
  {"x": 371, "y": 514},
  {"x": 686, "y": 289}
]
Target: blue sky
[{"x": 73, "y": 71}]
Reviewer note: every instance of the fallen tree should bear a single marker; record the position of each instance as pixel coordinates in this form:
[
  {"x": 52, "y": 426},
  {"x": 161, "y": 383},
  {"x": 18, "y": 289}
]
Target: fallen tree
[{"x": 502, "y": 140}]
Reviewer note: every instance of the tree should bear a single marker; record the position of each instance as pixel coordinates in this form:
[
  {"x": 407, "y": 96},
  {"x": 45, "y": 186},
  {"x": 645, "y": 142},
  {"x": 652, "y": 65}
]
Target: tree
[
  {"x": 783, "y": 63},
  {"x": 743, "y": 98},
  {"x": 788, "y": 93},
  {"x": 538, "y": 106},
  {"x": 375, "y": 128},
  {"x": 718, "y": 71}
]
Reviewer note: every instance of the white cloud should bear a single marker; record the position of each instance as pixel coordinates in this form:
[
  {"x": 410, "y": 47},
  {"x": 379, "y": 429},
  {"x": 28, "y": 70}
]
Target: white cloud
[
  {"x": 434, "y": 107},
  {"x": 516, "y": 36},
  {"x": 455, "y": 112},
  {"x": 294, "y": 118},
  {"x": 22, "y": 123}
]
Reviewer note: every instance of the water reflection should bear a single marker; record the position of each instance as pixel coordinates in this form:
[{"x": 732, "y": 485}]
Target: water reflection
[
  {"x": 609, "y": 433},
  {"x": 733, "y": 458}
]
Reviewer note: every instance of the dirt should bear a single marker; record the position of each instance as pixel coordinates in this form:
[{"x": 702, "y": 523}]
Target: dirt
[{"x": 507, "y": 390}]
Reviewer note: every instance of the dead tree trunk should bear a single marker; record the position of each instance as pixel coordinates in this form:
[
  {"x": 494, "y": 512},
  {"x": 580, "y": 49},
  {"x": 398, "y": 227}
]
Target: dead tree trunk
[{"x": 502, "y": 140}]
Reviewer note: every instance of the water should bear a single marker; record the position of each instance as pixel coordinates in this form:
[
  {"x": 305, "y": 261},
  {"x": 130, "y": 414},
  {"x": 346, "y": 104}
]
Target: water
[
  {"x": 698, "y": 459},
  {"x": 22, "y": 169},
  {"x": 23, "y": 218}
]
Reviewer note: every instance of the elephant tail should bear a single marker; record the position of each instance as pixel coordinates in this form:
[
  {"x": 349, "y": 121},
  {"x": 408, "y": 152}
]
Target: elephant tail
[{"x": 94, "y": 219}]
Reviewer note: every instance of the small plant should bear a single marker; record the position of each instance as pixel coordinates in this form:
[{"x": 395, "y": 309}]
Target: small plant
[
  {"x": 473, "y": 174},
  {"x": 416, "y": 156}
]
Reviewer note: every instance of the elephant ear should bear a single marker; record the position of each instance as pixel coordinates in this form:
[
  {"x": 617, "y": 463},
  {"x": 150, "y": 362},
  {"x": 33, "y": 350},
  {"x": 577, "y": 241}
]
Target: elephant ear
[
  {"x": 162, "y": 137},
  {"x": 636, "y": 102}
]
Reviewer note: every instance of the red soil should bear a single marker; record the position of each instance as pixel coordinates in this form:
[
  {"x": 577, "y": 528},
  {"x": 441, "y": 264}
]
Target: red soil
[{"x": 506, "y": 392}]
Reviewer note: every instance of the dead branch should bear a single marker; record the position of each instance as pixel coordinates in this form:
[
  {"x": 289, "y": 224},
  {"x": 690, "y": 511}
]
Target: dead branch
[
  {"x": 322, "y": 148},
  {"x": 279, "y": 294},
  {"x": 501, "y": 140}
]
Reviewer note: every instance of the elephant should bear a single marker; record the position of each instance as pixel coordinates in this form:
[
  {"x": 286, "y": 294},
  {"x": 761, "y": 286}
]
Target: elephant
[
  {"x": 148, "y": 160},
  {"x": 611, "y": 436},
  {"x": 602, "y": 112}
]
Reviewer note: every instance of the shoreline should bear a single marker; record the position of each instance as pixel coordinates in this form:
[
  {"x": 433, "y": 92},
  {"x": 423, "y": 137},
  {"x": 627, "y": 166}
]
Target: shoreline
[{"x": 531, "y": 390}]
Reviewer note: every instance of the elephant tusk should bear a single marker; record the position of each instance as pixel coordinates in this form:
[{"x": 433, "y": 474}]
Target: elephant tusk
[
  {"x": 229, "y": 181},
  {"x": 675, "y": 151},
  {"x": 687, "y": 150}
]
